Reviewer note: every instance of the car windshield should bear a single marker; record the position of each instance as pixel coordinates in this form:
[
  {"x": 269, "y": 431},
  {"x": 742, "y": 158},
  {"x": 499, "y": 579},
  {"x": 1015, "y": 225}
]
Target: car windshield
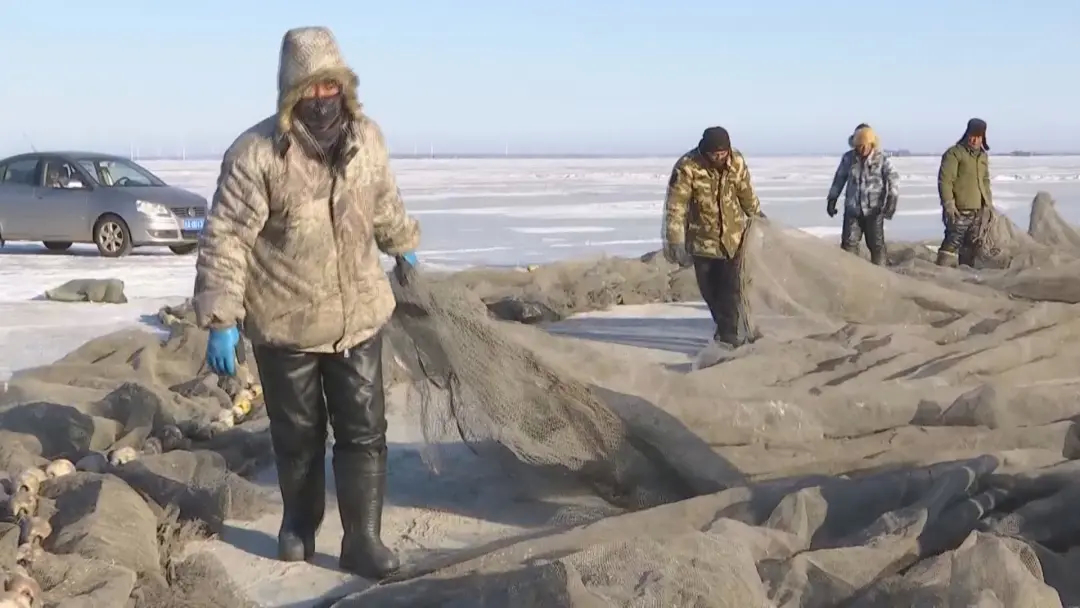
[{"x": 119, "y": 173}]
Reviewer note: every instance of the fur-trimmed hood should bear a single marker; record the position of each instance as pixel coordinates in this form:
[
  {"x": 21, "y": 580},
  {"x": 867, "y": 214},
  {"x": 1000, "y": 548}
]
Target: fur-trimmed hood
[
  {"x": 865, "y": 135},
  {"x": 310, "y": 55}
]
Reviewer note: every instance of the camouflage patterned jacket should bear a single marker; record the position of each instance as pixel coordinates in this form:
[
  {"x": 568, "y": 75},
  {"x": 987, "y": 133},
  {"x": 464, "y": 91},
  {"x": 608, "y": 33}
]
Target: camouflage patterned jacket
[
  {"x": 291, "y": 246},
  {"x": 868, "y": 183},
  {"x": 707, "y": 209}
]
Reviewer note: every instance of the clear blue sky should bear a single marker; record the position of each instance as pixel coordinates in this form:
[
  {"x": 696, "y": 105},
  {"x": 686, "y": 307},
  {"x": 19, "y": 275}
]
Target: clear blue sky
[{"x": 587, "y": 76}]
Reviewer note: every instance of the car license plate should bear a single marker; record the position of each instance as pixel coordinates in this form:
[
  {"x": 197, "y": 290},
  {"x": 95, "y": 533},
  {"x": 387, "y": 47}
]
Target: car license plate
[{"x": 194, "y": 224}]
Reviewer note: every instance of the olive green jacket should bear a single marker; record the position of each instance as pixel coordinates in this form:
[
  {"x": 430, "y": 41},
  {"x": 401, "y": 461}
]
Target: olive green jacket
[{"x": 964, "y": 178}]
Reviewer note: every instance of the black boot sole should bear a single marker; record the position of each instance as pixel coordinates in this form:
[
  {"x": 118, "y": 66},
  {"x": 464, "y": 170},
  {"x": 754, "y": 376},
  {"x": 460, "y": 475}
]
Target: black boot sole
[{"x": 365, "y": 568}]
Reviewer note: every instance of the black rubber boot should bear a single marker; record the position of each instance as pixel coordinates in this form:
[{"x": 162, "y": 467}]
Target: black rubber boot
[
  {"x": 361, "y": 487},
  {"x": 305, "y": 506},
  {"x": 357, "y": 405},
  {"x": 877, "y": 256},
  {"x": 875, "y": 238},
  {"x": 851, "y": 233},
  {"x": 292, "y": 389}
]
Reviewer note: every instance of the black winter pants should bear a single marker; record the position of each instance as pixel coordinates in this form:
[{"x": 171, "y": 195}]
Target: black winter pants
[
  {"x": 305, "y": 391},
  {"x": 721, "y": 287},
  {"x": 872, "y": 227},
  {"x": 960, "y": 237}
]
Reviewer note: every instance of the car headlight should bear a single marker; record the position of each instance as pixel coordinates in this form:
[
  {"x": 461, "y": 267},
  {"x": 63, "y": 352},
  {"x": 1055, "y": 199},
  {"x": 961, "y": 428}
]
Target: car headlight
[{"x": 154, "y": 209}]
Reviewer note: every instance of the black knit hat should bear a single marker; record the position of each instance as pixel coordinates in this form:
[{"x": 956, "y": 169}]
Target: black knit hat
[
  {"x": 975, "y": 127},
  {"x": 714, "y": 139}
]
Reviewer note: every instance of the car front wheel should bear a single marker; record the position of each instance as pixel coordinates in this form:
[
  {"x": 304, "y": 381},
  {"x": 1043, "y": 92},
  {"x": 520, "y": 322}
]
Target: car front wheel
[
  {"x": 112, "y": 236},
  {"x": 184, "y": 249}
]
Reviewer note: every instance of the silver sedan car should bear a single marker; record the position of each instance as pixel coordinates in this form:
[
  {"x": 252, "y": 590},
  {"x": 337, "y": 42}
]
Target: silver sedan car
[{"x": 61, "y": 198}]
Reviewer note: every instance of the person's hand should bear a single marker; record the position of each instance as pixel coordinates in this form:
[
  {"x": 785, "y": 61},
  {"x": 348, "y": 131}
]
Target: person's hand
[
  {"x": 221, "y": 350},
  {"x": 675, "y": 253},
  {"x": 403, "y": 264},
  {"x": 830, "y": 208},
  {"x": 890, "y": 207},
  {"x": 948, "y": 210}
]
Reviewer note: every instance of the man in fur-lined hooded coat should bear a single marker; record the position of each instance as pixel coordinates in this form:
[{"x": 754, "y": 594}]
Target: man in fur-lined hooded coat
[
  {"x": 305, "y": 202},
  {"x": 870, "y": 186},
  {"x": 964, "y": 189}
]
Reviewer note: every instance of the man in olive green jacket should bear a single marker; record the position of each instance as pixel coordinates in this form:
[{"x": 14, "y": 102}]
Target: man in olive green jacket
[
  {"x": 964, "y": 188},
  {"x": 709, "y": 203}
]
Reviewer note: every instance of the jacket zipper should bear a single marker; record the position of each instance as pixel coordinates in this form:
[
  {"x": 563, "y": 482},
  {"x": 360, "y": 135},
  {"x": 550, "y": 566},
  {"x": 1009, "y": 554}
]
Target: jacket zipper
[
  {"x": 718, "y": 195},
  {"x": 337, "y": 258}
]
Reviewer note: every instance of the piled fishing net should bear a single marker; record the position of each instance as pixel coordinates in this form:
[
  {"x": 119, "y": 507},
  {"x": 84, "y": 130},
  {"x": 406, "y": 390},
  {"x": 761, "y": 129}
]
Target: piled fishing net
[
  {"x": 897, "y": 436},
  {"x": 138, "y": 450},
  {"x": 477, "y": 384}
]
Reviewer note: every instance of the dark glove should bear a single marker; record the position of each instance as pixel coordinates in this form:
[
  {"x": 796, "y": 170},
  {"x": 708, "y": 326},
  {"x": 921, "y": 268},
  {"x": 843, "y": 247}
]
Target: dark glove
[
  {"x": 675, "y": 253},
  {"x": 831, "y": 207},
  {"x": 890, "y": 207},
  {"x": 221, "y": 351},
  {"x": 404, "y": 265}
]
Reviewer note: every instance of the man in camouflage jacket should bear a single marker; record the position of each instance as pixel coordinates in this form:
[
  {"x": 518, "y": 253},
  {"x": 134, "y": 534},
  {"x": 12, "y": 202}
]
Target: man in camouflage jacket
[
  {"x": 869, "y": 183},
  {"x": 710, "y": 200},
  {"x": 964, "y": 189},
  {"x": 305, "y": 202}
]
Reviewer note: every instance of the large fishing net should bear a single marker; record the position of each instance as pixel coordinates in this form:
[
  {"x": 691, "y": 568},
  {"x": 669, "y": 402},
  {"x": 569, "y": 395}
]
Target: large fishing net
[
  {"x": 113, "y": 459},
  {"x": 897, "y": 436}
]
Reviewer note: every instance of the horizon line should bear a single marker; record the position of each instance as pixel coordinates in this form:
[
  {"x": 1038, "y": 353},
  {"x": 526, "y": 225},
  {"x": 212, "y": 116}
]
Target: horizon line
[{"x": 572, "y": 155}]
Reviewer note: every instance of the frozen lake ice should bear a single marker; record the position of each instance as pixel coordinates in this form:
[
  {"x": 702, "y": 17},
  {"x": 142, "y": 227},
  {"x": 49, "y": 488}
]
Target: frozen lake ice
[{"x": 492, "y": 212}]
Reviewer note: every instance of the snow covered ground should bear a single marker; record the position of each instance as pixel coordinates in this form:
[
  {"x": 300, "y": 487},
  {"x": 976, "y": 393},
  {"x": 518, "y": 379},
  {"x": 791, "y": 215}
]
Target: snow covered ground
[{"x": 490, "y": 211}]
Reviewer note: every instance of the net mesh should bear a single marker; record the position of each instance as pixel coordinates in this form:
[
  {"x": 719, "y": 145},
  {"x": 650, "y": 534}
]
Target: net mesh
[
  {"x": 476, "y": 384},
  {"x": 143, "y": 423},
  {"x": 891, "y": 439}
]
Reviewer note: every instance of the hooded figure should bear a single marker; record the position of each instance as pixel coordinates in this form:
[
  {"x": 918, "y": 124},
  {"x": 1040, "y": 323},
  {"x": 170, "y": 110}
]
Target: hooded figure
[
  {"x": 851, "y": 138},
  {"x": 964, "y": 189},
  {"x": 710, "y": 200},
  {"x": 870, "y": 186},
  {"x": 304, "y": 204}
]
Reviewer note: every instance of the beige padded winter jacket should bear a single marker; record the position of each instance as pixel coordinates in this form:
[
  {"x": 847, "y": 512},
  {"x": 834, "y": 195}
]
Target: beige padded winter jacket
[{"x": 291, "y": 246}]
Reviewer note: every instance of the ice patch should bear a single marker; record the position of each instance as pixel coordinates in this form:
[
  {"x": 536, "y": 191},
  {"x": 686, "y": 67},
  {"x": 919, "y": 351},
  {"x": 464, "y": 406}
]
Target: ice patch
[
  {"x": 607, "y": 243},
  {"x": 424, "y": 252},
  {"x": 822, "y": 231},
  {"x": 561, "y": 229},
  {"x": 619, "y": 210},
  {"x": 936, "y": 211}
]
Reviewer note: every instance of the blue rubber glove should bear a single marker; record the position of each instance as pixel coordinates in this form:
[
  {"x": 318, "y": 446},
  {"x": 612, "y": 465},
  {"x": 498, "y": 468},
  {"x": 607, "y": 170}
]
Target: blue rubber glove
[
  {"x": 221, "y": 351},
  {"x": 405, "y": 262}
]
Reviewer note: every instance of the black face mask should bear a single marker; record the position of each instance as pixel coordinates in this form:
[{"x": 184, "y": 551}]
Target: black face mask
[{"x": 323, "y": 117}]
